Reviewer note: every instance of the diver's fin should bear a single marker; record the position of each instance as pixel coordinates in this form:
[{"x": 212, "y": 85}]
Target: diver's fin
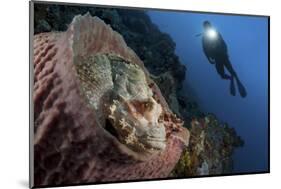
[
  {"x": 241, "y": 88},
  {"x": 232, "y": 87}
]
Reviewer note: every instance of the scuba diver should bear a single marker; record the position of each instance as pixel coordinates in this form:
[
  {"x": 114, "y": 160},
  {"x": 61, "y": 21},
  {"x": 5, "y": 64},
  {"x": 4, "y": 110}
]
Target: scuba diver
[{"x": 215, "y": 50}]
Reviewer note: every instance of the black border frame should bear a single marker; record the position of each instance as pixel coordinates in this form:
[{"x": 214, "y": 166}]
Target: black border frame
[{"x": 31, "y": 34}]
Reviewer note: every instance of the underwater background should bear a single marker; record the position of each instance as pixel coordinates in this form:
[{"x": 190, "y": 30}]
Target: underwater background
[
  {"x": 235, "y": 129},
  {"x": 247, "y": 40}
]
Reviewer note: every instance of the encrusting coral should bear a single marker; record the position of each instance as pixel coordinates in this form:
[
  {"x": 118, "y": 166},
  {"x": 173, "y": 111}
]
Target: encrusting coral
[
  {"x": 210, "y": 149},
  {"x": 98, "y": 116}
]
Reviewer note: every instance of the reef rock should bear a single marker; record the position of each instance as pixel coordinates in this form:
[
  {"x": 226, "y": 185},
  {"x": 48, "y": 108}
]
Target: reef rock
[
  {"x": 210, "y": 150},
  {"x": 98, "y": 116}
]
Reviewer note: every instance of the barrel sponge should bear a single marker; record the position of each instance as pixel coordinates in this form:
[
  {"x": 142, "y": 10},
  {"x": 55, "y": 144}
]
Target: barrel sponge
[{"x": 98, "y": 116}]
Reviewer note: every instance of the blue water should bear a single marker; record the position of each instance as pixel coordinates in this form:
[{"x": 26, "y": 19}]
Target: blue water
[{"x": 247, "y": 40}]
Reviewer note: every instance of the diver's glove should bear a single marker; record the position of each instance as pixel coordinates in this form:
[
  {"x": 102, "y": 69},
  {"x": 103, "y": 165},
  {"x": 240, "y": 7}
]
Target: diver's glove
[{"x": 212, "y": 61}]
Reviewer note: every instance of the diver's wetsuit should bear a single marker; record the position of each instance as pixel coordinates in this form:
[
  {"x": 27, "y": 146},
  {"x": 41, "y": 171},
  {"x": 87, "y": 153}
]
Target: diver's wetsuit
[{"x": 216, "y": 52}]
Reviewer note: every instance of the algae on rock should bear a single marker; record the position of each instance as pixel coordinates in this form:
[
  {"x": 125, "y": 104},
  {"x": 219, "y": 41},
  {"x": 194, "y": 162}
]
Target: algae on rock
[{"x": 210, "y": 150}]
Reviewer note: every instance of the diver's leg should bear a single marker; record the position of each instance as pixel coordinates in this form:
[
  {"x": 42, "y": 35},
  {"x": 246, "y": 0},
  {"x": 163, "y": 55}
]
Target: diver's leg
[
  {"x": 229, "y": 67},
  {"x": 241, "y": 88},
  {"x": 221, "y": 72}
]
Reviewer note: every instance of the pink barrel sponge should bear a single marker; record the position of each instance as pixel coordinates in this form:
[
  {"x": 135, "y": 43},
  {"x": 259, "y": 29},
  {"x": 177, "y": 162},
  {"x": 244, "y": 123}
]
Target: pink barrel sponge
[{"x": 98, "y": 117}]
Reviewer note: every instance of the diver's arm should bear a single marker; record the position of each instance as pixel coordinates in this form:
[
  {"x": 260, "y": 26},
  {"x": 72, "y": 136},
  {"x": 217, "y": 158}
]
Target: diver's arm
[
  {"x": 207, "y": 53},
  {"x": 223, "y": 44},
  {"x": 211, "y": 60}
]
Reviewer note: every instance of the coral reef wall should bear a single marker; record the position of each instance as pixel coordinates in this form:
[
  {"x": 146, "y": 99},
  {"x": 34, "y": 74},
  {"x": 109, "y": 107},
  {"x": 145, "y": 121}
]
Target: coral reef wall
[
  {"x": 98, "y": 115},
  {"x": 210, "y": 149},
  {"x": 155, "y": 49}
]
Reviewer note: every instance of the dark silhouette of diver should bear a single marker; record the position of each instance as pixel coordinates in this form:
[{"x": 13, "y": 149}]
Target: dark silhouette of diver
[{"x": 215, "y": 50}]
